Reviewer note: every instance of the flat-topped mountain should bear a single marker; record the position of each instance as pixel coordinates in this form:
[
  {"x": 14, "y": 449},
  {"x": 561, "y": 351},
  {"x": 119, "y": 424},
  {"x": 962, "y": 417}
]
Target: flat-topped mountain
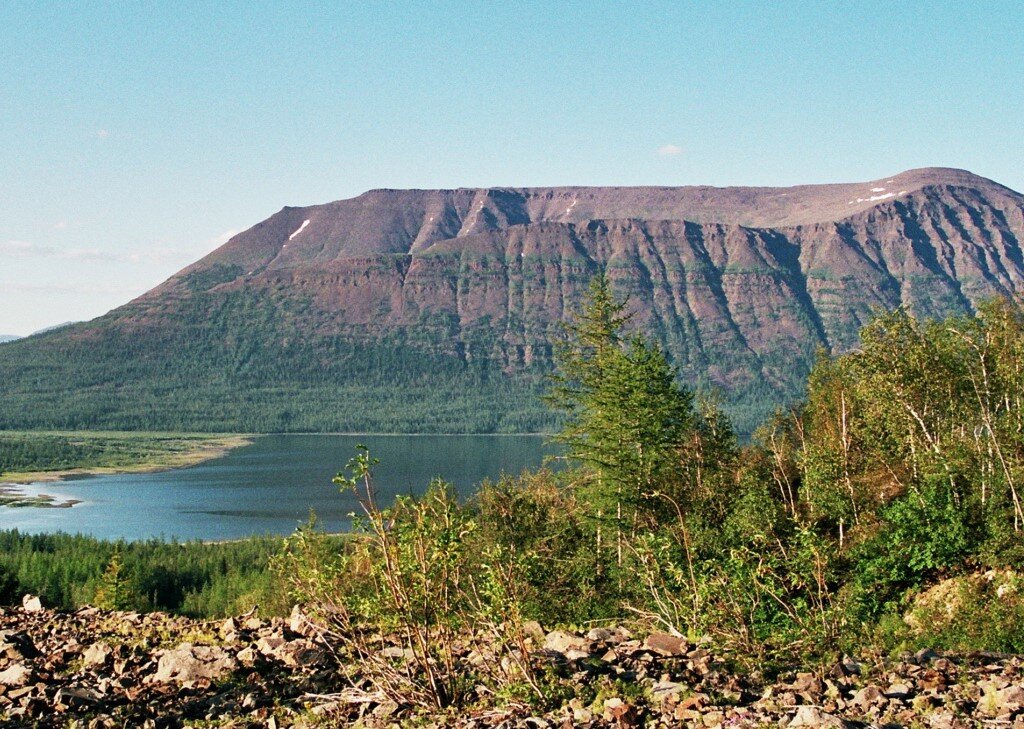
[{"x": 435, "y": 310}]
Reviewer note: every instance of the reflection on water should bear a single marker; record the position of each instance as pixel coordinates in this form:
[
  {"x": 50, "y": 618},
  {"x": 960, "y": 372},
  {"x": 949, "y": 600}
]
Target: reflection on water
[{"x": 268, "y": 487}]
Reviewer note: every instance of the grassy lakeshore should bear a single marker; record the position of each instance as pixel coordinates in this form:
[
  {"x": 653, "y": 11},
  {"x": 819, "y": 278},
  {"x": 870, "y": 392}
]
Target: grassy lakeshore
[{"x": 33, "y": 456}]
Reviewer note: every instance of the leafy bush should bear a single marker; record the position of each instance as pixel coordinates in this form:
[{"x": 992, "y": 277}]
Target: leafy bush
[{"x": 410, "y": 574}]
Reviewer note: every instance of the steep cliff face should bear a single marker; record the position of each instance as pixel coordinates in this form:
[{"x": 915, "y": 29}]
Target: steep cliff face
[{"x": 741, "y": 285}]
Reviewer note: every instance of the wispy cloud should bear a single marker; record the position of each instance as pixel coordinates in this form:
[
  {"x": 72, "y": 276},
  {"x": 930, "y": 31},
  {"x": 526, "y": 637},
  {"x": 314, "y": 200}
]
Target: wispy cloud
[
  {"x": 24, "y": 249},
  {"x": 102, "y": 133},
  {"x": 154, "y": 255},
  {"x": 670, "y": 150}
]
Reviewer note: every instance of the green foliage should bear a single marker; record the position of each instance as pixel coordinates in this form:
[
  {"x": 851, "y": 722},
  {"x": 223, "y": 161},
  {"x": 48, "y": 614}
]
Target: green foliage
[
  {"x": 409, "y": 571},
  {"x": 200, "y": 580},
  {"x": 913, "y": 445},
  {"x": 974, "y": 612},
  {"x": 899, "y": 476},
  {"x": 22, "y": 452},
  {"x": 626, "y": 414},
  {"x": 545, "y": 530},
  {"x": 116, "y": 590},
  {"x": 626, "y": 419}
]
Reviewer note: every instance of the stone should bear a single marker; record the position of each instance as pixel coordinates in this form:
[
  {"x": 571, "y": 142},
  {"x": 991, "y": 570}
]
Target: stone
[
  {"x": 299, "y": 623},
  {"x": 813, "y": 716},
  {"x": 97, "y": 654},
  {"x": 687, "y": 715},
  {"x": 849, "y": 666},
  {"x": 1010, "y": 698},
  {"x": 807, "y": 683},
  {"x": 665, "y": 644},
  {"x": 16, "y": 646},
  {"x": 899, "y": 691},
  {"x": 695, "y": 701},
  {"x": 229, "y": 629},
  {"x": 868, "y": 697},
  {"x": 664, "y": 689},
  {"x": 76, "y": 697},
  {"x": 942, "y": 720},
  {"x": 299, "y": 652},
  {"x": 385, "y": 709},
  {"x": 571, "y": 646},
  {"x": 713, "y": 718},
  {"x": 31, "y": 604},
  {"x": 582, "y": 716},
  {"x": 15, "y": 675},
  {"x": 188, "y": 663},
  {"x": 269, "y": 645},
  {"x": 618, "y": 711},
  {"x": 397, "y": 652},
  {"x": 534, "y": 631}
]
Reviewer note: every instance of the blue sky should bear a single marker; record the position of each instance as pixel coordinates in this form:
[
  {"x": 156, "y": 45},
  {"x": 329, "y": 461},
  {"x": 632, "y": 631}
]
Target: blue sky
[{"x": 137, "y": 136}]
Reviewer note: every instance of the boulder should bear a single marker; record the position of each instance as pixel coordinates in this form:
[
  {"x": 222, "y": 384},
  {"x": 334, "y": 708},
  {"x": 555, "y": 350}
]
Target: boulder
[
  {"x": 15, "y": 675},
  {"x": 571, "y": 646},
  {"x": 295, "y": 653},
  {"x": 76, "y": 698},
  {"x": 868, "y": 697},
  {"x": 191, "y": 663},
  {"x": 301, "y": 624},
  {"x": 809, "y": 684},
  {"x": 229, "y": 630},
  {"x": 97, "y": 654},
  {"x": 269, "y": 645},
  {"x": 899, "y": 691},
  {"x": 1010, "y": 698},
  {"x": 665, "y": 644},
  {"x": 665, "y": 689},
  {"x": 31, "y": 604},
  {"x": 16, "y": 646},
  {"x": 813, "y": 716}
]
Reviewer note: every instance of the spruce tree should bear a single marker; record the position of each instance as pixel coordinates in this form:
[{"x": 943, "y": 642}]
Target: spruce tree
[
  {"x": 626, "y": 413},
  {"x": 116, "y": 591}
]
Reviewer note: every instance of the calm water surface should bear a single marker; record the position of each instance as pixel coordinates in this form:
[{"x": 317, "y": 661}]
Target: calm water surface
[{"x": 268, "y": 487}]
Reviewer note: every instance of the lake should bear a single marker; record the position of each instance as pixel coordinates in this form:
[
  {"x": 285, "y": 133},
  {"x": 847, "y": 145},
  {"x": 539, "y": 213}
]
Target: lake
[{"x": 268, "y": 487}]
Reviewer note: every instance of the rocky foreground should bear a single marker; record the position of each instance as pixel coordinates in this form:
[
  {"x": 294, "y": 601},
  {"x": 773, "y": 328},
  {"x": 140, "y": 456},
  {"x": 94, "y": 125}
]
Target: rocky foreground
[{"x": 95, "y": 668}]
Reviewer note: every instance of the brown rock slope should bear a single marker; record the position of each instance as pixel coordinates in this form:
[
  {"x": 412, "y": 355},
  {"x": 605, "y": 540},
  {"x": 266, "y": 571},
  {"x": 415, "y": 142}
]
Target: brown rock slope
[{"x": 741, "y": 285}]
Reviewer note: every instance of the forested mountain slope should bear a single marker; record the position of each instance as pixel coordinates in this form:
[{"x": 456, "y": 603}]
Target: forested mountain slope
[{"x": 435, "y": 310}]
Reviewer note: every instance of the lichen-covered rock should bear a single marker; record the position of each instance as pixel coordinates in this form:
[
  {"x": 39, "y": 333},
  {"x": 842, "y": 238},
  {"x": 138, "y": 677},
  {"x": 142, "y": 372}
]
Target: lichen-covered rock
[
  {"x": 188, "y": 663},
  {"x": 15, "y": 675}
]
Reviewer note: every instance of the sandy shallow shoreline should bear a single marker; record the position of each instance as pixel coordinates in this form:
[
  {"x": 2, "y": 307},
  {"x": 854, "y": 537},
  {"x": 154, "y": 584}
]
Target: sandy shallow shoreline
[
  {"x": 15, "y": 497},
  {"x": 12, "y": 485}
]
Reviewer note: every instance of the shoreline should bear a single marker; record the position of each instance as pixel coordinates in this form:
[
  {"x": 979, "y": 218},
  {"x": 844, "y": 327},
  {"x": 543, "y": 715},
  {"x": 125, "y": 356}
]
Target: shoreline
[
  {"x": 223, "y": 445},
  {"x": 206, "y": 449}
]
